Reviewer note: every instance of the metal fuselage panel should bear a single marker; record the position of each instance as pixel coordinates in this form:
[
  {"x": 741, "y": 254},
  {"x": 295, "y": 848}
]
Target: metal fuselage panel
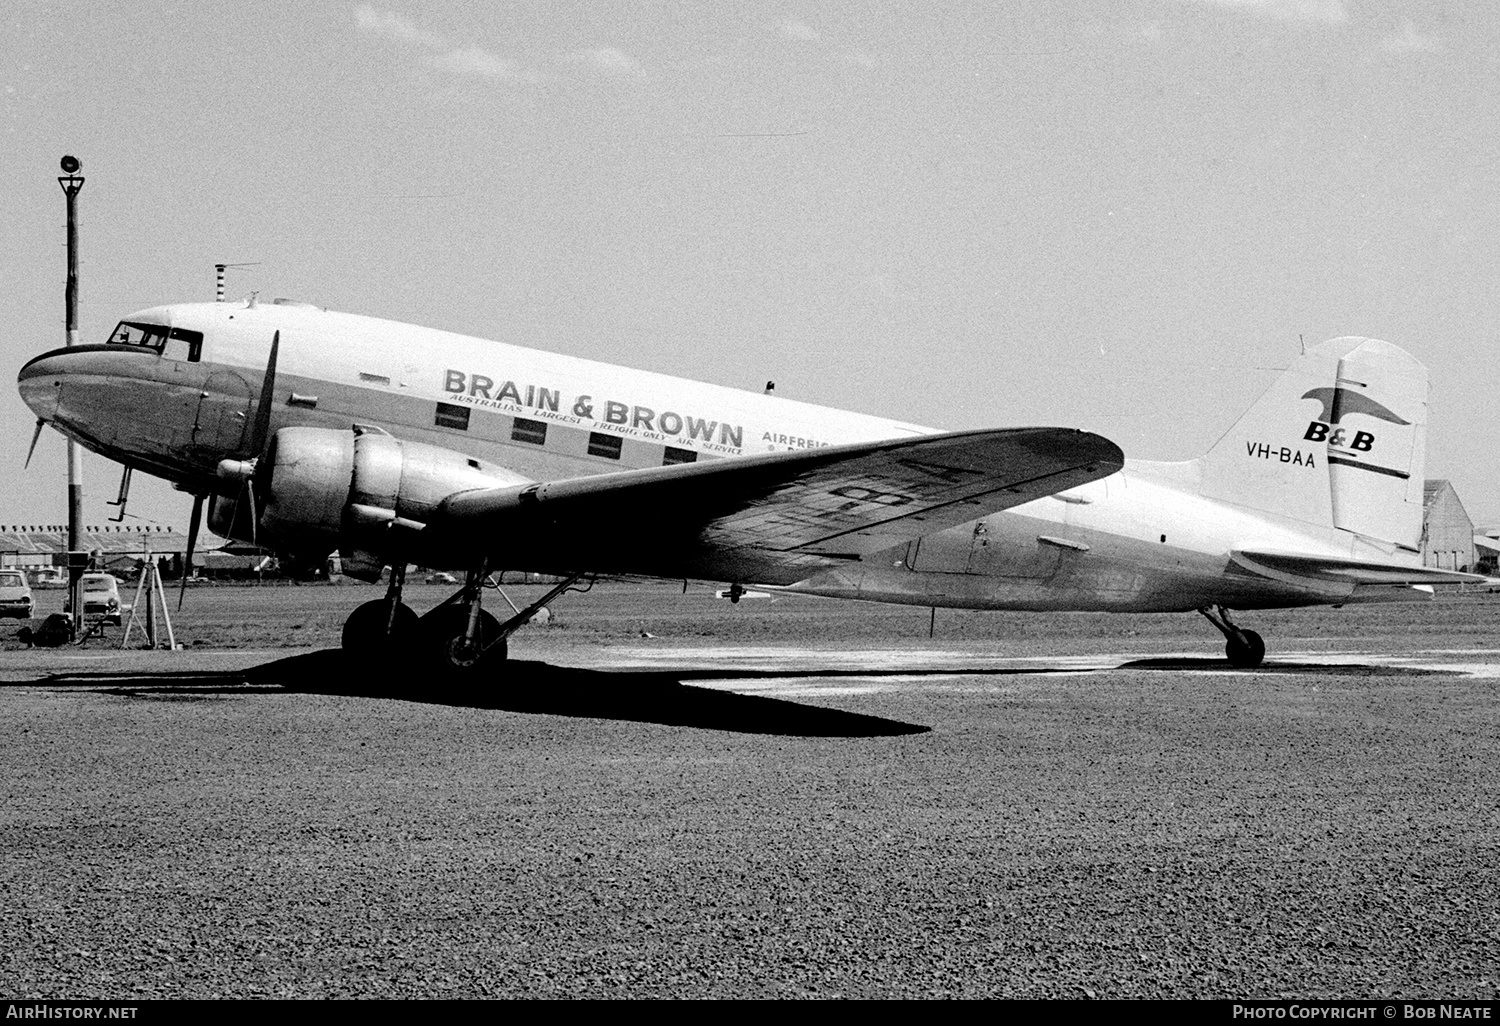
[
  {"x": 1127, "y": 543},
  {"x": 1143, "y": 539}
]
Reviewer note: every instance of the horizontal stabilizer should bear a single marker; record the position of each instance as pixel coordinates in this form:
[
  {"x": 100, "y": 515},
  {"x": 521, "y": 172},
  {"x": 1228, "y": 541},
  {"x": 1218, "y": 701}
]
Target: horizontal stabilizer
[
  {"x": 780, "y": 516},
  {"x": 1332, "y": 569},
  {"x": 1366, "y": 593}
]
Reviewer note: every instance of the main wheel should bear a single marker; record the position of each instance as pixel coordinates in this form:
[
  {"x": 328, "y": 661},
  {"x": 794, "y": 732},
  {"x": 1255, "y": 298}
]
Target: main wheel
[
  {"x": 365, "y": 633},
  {"x": 445, "y": 640},
  {"x": 1245, "y": 652}
]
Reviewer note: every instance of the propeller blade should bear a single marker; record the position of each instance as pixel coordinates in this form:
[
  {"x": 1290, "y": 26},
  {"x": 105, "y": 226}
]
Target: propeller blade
[
  {"x": 40, "y": 423},
  {"x": 260, "y": 434},
  {"x": 254, "y": 513},
  {"x": 262, "y": 429},
  {"x": 187, "y": 562}
]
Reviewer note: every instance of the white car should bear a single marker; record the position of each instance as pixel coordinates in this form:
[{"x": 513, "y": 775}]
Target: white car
[
  {"x": 15, "y": 595},
  {"x": 101, "y": 597}
]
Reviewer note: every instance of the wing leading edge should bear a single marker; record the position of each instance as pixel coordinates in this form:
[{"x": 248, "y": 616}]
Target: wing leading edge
[{"x": 775, "y": 518}]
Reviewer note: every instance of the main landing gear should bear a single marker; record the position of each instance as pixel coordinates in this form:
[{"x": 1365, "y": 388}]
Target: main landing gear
[
  {"x": 458, "y": 635},
  {"x": 381, "y": 629},
  {"x": 1244, "y": 648}
]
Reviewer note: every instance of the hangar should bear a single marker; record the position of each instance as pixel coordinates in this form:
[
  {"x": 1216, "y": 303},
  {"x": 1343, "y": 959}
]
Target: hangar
[{"x": 1447, "y": 531}]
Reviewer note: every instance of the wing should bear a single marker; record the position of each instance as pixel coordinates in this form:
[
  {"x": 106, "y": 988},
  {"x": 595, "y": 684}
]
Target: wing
[{"x": 775, "y": 518}]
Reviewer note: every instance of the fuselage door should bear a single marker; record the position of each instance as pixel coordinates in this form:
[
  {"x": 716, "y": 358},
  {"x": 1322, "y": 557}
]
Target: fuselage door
[
  {"x": 997, "y": 546},
  {"x": 943, "y": 552}
]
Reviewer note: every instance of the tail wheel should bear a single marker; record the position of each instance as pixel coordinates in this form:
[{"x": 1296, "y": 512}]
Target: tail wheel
[
  {"x": 446, "y": 632},
  {"x": 1246, "y": 651}
]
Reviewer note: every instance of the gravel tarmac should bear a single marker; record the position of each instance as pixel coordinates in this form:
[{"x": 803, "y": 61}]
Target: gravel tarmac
[{"x": 668, "y": 796}]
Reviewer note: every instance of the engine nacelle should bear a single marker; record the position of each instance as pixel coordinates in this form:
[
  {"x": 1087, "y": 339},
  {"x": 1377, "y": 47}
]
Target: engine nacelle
[{"x": 359, "y": 491}]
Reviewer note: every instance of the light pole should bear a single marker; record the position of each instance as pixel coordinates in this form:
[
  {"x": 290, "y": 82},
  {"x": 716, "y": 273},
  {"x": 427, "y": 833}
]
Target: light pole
[{"x": 72, "y": 182}]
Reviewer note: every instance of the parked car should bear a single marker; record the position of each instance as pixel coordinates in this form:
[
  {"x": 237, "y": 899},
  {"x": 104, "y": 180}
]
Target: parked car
[
  {"x": 101, "y": 597},
  {"x": 15, "y": 595}
]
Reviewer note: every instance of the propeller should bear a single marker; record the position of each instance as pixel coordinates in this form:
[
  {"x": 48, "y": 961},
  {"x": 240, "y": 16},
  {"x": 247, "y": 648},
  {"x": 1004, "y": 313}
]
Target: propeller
[
  {"x": 260, "y": 433},
  {"x": 40, "y": 423},
  {"x": 243, "y": 470},
  {"x": 187, "y": 562},
  {"x": 262, "y": 426}
]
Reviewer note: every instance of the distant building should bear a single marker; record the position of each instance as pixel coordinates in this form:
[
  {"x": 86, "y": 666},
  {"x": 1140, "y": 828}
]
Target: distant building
[
  {"x": 34, "y": 546},
  {"x": 1447, "y": 531},
  {"x": 1487, "y": 551}
]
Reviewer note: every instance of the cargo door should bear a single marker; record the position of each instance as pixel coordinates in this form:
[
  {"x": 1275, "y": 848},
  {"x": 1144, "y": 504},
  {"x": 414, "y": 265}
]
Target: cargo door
[{"x": 943, "y": 552}]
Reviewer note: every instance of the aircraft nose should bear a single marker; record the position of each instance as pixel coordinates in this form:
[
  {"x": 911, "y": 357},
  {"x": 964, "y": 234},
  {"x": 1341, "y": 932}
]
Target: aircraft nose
[{"x": 40, "y": 384}]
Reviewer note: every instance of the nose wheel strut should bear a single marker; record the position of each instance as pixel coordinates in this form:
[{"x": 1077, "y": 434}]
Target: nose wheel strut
[{"x": 1244, "y": 648}]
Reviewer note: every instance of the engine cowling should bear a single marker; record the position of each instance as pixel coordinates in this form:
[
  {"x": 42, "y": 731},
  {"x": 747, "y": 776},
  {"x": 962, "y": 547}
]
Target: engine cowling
[{"x": 361, "y": 492}]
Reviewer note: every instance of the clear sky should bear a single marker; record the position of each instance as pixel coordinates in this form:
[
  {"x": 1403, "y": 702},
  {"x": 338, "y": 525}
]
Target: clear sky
[{"x": 1118, "y": 215}]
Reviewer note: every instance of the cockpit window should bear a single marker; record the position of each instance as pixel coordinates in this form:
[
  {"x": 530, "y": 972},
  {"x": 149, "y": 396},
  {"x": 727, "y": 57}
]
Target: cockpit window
[{"x": 173, "y": 343}]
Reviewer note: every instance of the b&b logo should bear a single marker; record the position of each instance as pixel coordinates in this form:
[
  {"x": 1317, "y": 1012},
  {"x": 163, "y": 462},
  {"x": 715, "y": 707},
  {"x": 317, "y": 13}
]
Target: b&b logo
[
  {"x": 1317, "y": 432},
  {"x": 1336, "y": 403}
]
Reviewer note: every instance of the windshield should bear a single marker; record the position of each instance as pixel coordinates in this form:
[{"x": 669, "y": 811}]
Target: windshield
[
  {"x": 173, "y": 343},
  {"x": 11, "y": 580},
  {"x": 97, "y": 583}
]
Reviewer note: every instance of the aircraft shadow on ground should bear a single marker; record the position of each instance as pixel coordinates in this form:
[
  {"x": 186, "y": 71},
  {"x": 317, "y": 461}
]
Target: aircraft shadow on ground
[
  {"x": 645, "y": 696},
  {"x": 1208, "y": 664}
]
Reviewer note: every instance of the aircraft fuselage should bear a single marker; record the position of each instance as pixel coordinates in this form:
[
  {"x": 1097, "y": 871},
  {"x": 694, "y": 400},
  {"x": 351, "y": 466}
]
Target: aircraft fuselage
[{"x": 179, "y": 402}]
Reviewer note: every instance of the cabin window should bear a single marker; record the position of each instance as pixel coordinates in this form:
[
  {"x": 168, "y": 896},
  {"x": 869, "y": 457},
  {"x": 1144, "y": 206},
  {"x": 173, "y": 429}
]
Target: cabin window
[
  {"x": 607, "y": 446},
  {"x": 450, "y": 416},
  {"x": 675, "y": 455},
  {"x": 172, "y": 343},
  {"x": 177, "y": 348},
  {"x": 532, "y": 432}
]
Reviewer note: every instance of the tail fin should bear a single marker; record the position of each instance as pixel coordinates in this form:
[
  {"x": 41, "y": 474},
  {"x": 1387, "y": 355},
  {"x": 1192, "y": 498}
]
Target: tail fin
[{"x": 1339, "y": 439}]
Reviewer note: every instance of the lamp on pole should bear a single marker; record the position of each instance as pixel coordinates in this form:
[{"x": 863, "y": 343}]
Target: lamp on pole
[{"x": 72, "y": 182}]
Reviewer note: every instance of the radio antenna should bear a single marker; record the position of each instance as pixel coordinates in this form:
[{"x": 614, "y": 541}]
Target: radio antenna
[{"x": 219, "y": 270}]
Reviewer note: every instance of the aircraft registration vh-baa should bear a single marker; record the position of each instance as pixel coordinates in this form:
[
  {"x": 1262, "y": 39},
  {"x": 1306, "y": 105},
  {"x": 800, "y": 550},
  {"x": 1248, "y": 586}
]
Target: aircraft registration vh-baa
[{"x": 308, "y": 431}]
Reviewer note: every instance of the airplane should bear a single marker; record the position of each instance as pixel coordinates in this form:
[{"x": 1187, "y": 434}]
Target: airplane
[{"x": 308, "y": 431}]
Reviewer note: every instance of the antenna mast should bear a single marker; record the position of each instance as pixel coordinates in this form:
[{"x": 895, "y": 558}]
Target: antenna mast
[{"x": 219, "y": 278}]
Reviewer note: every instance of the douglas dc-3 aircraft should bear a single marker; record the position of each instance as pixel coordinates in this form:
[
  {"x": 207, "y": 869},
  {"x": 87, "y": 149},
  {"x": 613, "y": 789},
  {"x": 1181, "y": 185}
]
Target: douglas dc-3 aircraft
[{"x": 309, "y": 431}]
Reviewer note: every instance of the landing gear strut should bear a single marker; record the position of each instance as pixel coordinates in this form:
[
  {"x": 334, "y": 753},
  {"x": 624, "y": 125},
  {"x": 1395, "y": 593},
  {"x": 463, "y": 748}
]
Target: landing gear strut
[
  {"x": 459, "y": 632},
  {"x": 1244, "y": 648},
  {"x": 458, "y": 635},
  {"x": 383, "y": 628},
  {"x": 462, "y": 635}
]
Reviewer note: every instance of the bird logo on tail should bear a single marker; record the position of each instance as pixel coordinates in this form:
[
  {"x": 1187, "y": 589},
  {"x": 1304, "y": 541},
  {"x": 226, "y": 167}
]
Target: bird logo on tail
[{"x": 1339, "y": 401}]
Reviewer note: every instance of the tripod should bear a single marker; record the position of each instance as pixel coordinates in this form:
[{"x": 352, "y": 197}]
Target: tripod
[{"x": 149, "y": 585}]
